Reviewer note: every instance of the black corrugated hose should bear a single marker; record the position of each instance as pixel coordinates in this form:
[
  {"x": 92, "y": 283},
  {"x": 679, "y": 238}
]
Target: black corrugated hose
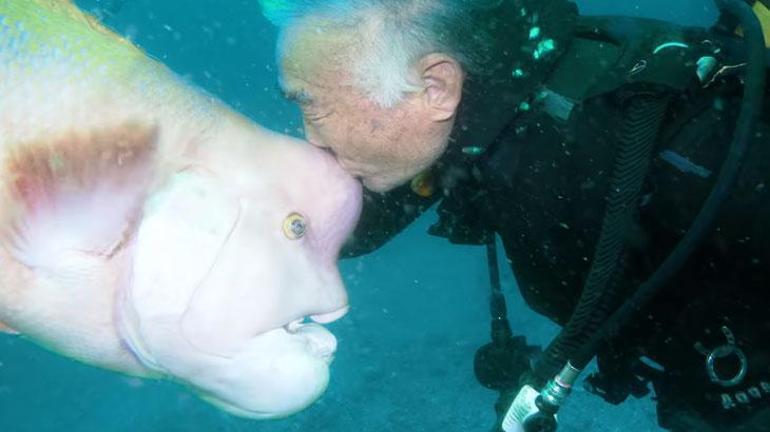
[
  {"x": 753, "y": 92},
  {"x": 602, "y": 294}
]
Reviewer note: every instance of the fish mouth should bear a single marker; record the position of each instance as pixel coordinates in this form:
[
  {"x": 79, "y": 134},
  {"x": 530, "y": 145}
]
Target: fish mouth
[
  {"x": 320, "y": 341},
  {"x": 236, "y": 410},
  {"x": 329, "y": 317}
]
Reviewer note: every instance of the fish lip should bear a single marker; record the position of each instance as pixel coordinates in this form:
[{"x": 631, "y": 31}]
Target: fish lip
[
  {"x": 329, "y": 317},
  {"x": 295, "y": 325},
  {"x": 322, "y": 318},
  {"x": 237, "y": 410},
  {"x": 320, "y": 342}
]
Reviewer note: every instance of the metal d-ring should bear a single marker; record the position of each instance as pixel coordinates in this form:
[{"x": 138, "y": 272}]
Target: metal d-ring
[{"x": 722, "y": 351}]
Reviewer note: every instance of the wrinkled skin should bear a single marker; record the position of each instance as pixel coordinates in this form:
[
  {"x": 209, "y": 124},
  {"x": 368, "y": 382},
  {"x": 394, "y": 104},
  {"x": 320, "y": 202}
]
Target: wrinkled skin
[
  {"x": 383, "y": 146},
  {"x": 143, "y": 225}
]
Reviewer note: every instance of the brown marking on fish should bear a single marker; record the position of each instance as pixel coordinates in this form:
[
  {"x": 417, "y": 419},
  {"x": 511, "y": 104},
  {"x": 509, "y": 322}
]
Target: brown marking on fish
[
  {"x": 5, "y": 329},
  {"x": 77, "y": 161},
  {"x": 38, "y": 175}
]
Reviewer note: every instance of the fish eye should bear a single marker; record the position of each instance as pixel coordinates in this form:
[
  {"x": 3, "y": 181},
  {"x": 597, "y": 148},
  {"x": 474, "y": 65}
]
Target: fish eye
[{"x": 294, "y": 226}]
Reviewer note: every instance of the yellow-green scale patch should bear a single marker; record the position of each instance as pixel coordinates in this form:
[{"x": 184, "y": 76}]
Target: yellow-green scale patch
[{"x": 33, "y": 32}]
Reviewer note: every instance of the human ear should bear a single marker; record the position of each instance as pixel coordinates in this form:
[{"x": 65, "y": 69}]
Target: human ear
[{"x": 442, "y": 77}]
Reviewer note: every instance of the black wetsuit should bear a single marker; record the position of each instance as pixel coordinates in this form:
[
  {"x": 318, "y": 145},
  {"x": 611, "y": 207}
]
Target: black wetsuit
[{"x": 542, "y": 183}]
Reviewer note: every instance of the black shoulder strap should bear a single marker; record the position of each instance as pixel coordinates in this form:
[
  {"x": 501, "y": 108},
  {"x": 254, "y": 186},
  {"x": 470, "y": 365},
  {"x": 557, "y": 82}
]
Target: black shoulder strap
[{"x": 609, "y": 53}]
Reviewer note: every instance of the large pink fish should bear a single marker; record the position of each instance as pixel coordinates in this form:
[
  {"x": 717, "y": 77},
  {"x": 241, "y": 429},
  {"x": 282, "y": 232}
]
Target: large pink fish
[{"x": 147, "y": 228}]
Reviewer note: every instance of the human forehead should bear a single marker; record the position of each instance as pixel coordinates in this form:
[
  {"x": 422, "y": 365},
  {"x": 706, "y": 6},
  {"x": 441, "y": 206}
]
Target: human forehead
[
  {"x": 315, "y": 44},
  {"x": 315, "y": 59}
]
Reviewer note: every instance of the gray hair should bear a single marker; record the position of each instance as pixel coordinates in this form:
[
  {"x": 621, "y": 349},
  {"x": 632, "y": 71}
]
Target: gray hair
[{"x": 394, "y": 34}]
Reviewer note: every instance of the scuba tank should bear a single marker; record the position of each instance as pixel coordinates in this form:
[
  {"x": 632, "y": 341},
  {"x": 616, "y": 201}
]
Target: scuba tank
[
  {"x": 761, "y": 9},
  {"x": 535, "y": 406}
]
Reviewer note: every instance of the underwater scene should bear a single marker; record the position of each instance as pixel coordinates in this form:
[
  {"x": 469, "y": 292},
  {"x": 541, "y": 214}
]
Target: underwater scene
[{"x": 384, "y": 215}]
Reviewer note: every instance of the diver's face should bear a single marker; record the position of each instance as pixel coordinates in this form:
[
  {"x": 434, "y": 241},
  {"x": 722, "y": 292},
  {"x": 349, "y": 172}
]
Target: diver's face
[{"x": 384, "y": 147}]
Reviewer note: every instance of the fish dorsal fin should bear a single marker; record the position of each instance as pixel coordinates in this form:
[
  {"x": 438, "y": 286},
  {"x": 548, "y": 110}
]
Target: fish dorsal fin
[
  {"x": 77, "y": 191},
  {"x": 55, "y": 19},
  {"x": 69, "y": 8}
]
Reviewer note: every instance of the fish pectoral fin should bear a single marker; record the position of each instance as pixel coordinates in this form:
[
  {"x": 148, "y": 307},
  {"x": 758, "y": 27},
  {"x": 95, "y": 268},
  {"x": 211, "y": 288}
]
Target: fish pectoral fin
[
  {"x": 5, "y": 329},
  {"x": 80, "y": 190}
]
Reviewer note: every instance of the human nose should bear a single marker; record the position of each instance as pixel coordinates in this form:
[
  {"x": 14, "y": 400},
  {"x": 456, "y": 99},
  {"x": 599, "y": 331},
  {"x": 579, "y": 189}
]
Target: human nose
[
  {"x": 314, "y": 140},
  {"x": 312, "y": 137}
]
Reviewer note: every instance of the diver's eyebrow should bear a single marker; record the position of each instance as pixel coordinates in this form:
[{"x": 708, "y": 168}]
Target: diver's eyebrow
[{"x": 298, "y": 96}]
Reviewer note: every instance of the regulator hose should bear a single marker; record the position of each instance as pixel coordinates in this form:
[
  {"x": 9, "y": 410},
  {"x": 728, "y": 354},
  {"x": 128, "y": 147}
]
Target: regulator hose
[
  {"x": 753, "y": 92},
  {"x": 602, "y": 293}
]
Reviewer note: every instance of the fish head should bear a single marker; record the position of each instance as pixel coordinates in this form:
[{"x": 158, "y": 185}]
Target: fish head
[{"x": 233, "y": 256}]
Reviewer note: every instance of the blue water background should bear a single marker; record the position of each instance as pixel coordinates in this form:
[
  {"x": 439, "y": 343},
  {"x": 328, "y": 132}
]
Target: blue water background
[{"x": 419, "y": 305}]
